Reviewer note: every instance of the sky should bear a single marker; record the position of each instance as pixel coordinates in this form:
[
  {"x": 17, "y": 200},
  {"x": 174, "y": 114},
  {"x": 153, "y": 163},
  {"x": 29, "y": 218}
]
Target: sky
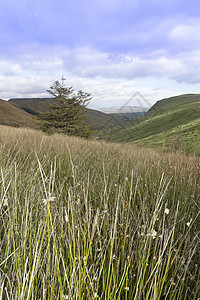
[{"x": 109, "y": 48}]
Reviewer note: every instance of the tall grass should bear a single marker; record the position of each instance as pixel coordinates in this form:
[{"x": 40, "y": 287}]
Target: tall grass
[{"x": 91, "y": 220}]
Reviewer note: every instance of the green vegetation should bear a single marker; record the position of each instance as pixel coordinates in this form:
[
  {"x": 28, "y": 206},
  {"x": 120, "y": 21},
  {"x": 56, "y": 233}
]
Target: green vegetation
[
  {"x": 93, "y": 118},
  {"x": 84, "y": 219},
  {"x": 170, "y": 123},
  {"x": 34, "y": 105},
  {"x": 100, "y": 121},
  {"x": 67, "y": 113},
  {"x": 13, "y": 116}
]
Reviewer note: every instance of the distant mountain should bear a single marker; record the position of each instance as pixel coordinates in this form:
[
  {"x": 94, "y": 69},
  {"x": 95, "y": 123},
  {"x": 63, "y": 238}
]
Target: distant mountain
[
  {"x": 32, "y": 105},
  {"x": 172, "y": 123},
  {"x": 11, "y": 115},
  {"x": 124, "y": 109},
  {"x": 95, "y": 119}
]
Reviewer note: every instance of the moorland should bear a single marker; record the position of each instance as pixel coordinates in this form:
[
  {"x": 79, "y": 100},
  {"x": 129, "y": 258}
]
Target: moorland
[
  {"x": 95, "y": 220},
  {"x": 113, "y": 218}
]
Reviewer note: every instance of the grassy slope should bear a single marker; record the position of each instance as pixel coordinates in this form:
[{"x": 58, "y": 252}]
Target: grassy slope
[
  {"x": 32, "y": 105},
  {"x": 172, "y": 122},
  {"x": 96, "y": 119},
  {"x": 89, "y": 220},
  {"x": 13, "y": 116}
]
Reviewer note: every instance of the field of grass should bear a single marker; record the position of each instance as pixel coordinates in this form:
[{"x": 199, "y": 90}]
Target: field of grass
[
  {"x": 90, "y": 220},
  {"x": 170, "y": 123}
]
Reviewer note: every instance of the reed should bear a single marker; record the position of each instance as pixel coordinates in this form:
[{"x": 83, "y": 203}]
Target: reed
[{"x": 86, "y": 219}]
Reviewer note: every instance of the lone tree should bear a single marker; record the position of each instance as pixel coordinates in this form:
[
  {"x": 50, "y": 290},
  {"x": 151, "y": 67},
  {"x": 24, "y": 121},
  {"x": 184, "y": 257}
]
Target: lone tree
[{"x": 67, "y": 113}]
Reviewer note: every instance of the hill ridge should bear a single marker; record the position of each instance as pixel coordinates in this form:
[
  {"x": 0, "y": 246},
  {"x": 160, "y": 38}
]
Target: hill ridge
[
  {"x": 12, "y": 115},
  {"x": 170, "y": 121},
  {"x": 94, "y": 118}
]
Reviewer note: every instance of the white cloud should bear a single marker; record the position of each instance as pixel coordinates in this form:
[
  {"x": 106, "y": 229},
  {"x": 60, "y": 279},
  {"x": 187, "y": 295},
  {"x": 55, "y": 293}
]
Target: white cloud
[
  {"x": 23, "y": 86},
  {"x": 185, "y": 32},
  {"x": 9, "y": 67},
  {"x": 111, "y": 79},
  {"x": 88, "y": 63},
  {"x": 43, "y": 65},
  {"x": 185, "y": 35},
  {"x": 85, "y": 62}
]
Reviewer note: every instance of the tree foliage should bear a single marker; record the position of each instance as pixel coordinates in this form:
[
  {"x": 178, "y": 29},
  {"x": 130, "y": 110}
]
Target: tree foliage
[{"x": 67, "y": 113}]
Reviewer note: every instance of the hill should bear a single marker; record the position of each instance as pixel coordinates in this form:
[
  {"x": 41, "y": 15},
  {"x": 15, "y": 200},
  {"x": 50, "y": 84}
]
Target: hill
[
  {"x": 94, "y": 118},
  {"x": 11, "y": 115},
  {"x": 171, "y": 123}
]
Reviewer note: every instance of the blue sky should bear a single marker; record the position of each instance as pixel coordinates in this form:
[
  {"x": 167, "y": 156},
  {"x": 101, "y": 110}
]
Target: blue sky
[{"x": 110, "y": 48}]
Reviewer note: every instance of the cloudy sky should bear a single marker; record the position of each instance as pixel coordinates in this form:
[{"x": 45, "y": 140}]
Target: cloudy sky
[{"x": 109, "y": 48}]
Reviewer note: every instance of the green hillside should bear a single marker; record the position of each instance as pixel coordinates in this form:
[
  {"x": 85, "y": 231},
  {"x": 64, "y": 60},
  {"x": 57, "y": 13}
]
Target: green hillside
[
  {"x": 32, "y": 105},
  {"x": 13, "y": 116},
  {"x": 171, "y": 123},
  {"x": 94, "y": 118}
]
